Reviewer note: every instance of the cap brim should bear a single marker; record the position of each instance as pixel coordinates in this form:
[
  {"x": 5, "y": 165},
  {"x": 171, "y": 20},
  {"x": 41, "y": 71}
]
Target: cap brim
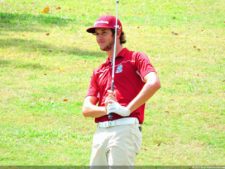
[{"x": 92, "y": 29}]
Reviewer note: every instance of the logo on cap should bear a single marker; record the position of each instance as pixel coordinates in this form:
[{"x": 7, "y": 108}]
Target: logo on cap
[{"x": 97, "y": 22}]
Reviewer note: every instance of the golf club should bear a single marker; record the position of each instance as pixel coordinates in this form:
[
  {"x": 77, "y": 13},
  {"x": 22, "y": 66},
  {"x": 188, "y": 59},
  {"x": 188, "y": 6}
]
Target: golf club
[{"x": 114, "y": 55}]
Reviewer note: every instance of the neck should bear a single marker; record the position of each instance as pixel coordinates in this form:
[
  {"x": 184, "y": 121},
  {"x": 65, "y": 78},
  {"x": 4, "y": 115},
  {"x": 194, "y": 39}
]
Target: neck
[{"x": 118, "y": 50}]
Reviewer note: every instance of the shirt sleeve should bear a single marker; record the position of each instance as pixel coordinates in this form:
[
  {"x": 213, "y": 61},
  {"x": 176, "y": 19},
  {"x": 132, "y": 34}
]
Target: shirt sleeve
[
  {"x": 93, "y": 87},
  {"x": 143, "y": 64}
]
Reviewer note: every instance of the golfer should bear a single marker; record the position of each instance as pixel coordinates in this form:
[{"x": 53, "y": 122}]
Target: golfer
[{"x": 117, "y": 141}]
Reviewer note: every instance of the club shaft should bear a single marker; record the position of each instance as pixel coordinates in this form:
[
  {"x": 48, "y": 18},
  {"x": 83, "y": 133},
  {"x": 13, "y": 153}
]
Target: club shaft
[
  {"x": 114, "y": 54},
  {"x": 114, "y": 49}
]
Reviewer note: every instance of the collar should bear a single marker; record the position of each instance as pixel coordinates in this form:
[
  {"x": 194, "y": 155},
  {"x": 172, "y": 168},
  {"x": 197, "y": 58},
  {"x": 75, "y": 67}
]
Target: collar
[{"x": 122, "y": 54}]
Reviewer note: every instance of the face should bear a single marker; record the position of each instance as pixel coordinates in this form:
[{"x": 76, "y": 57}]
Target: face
[{"x": 104, "y": 39}]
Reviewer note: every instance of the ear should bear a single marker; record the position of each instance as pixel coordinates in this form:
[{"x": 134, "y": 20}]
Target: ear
[{"x": 118, "y": 33}]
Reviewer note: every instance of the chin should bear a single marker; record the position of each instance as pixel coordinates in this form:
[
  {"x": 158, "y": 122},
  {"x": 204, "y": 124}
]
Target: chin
[{"x": 104, "y": 48}]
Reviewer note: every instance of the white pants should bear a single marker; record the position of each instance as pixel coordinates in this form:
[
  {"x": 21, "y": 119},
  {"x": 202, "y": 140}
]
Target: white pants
[{"x": 116, "y": 146}]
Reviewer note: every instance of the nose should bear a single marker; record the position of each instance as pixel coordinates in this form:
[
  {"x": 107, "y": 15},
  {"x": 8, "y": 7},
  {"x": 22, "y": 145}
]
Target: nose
[{"x": 99, "y": 37}]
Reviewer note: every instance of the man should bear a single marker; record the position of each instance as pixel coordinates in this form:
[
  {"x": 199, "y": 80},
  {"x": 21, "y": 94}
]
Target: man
[{"x": 118, "y": 140}]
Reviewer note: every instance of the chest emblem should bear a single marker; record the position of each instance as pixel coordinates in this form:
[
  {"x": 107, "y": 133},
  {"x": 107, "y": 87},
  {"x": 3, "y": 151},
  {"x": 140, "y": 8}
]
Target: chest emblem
[{"x": 119, "y": 68}]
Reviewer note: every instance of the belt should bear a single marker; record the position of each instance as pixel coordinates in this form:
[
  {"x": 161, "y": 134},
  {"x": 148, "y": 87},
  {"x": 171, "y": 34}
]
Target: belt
[{"x": 123, "y": 121}]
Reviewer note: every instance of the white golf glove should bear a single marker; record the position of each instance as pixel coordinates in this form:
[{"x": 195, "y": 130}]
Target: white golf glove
[{"x": 115, "y": 107}]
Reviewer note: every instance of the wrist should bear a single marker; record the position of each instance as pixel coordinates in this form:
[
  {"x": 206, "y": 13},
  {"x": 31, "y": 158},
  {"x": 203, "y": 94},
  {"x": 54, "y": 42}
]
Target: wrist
[
  {"x": 103, "y": 110},
  {"x": 129, "y": 108}
]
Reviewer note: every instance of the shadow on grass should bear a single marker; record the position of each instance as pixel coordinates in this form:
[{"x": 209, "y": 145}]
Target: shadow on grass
[
  {"x": 47, "y": 49},
  {"x": 20, "y": 65},
  {"x": 31, "y": 23},
  {"x": 28, "y": 22},
  {"x": 4, "y": 63}
]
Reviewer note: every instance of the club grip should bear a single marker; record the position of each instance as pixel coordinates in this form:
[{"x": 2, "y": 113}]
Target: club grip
[{"x": 110, "y": 115}]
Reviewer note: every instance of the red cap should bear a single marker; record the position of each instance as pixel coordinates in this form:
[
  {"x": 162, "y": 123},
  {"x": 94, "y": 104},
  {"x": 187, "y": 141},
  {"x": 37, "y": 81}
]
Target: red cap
[{"x": 105, "y": 21}]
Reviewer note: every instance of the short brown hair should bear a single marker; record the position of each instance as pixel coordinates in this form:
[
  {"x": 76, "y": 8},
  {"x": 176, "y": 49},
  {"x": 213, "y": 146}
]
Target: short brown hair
[{"x": 122, "y": 36}]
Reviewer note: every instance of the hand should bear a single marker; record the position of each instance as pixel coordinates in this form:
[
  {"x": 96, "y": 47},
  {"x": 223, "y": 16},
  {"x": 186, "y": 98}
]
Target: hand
[
  {"x": 111, "y": 97},
  {"x": 115, "y": 107}
]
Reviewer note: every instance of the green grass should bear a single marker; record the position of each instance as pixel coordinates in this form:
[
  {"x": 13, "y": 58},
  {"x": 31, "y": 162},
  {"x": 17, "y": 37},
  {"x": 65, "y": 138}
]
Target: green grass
[{"x": 47, "y": 58}]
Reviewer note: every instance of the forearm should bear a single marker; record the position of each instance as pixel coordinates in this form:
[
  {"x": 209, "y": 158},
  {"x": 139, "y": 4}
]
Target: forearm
[
  {"x": 90, "y": 110},
  {"x": 146, "y": 93}
]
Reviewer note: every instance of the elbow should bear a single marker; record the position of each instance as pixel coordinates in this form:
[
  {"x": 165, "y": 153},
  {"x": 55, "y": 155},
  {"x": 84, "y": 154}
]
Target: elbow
[
  {"x": 157, "y": 85},
  {"x": 153, "y": 81},
  {"x": 85, "y": 114},
  {"x": 85, "y": 111}
]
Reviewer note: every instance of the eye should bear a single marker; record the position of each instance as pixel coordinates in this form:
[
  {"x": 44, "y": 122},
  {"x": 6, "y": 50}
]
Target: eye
[
  {"x": 96, "y": 34},
  {"x": 104, "y": 33}
]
